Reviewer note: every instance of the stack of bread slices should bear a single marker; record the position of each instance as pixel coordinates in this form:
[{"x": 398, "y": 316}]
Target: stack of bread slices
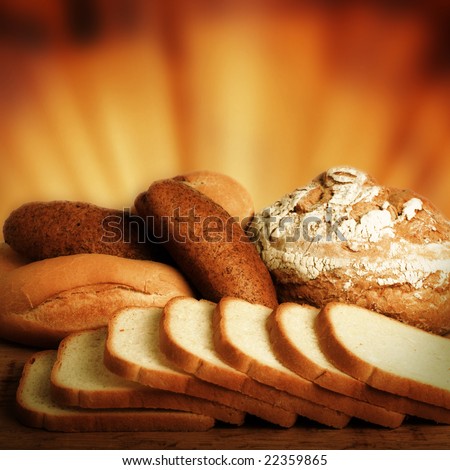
[{"x": 192, "y": 363}]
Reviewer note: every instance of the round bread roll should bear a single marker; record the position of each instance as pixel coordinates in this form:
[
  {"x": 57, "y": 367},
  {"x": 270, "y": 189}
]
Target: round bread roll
[
  {"x": 44, "y": 301},
  {"x": 345, "y": 238},
  {"x": 223, "y": 190},
  {"x": 209, "y": 245},
  {"x": 40, "y": 230}
]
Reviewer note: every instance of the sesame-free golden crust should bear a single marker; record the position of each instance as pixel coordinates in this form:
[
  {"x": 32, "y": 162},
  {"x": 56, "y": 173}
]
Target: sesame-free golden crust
[
  {"x": 223, "y": 190},
  {"x": 44, "y": 301}
]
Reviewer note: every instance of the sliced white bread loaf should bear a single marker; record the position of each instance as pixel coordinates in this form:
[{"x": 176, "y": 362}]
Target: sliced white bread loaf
[
  {"x": 385, "y": 353},
  {"x": 79, "y": 378},
  {"x": 36, "y": 408},
  {"x": 132, "y": 351},
  {"x": 292, "y": 333},
  {"x": 187, "y": 339},
  {"x": 242, "y": 338}
]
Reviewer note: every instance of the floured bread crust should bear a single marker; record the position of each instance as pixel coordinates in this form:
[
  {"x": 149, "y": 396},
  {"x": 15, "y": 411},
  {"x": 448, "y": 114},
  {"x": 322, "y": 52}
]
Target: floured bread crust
[{"x": 345, "y": 238}]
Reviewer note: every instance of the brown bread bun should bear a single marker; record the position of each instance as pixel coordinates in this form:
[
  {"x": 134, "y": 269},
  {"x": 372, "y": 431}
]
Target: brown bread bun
[
  {"x": 40, "y": 230},
  {"x": 43, "y": 301},
  {"x": 223, "y": 190},
  {"x": 208, "y": 245},
  {"x": 345, "y": 238}
]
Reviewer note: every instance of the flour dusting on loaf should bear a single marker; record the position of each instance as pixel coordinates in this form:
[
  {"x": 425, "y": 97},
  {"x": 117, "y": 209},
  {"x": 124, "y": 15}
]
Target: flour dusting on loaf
[{"x": 345, "y": 237}]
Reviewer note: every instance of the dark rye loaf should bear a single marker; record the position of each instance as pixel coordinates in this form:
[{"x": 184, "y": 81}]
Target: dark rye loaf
[
  {"x": 209, "y": 246},
  {"x": 40, "y": 230}
]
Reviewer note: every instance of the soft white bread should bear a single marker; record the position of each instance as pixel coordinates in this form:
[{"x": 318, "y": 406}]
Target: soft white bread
[
  {"x": 295, "y": 343},
  {"x": 133, "y": 351},
  {"x": 44, "y": 301},
  {"x": 242, "y": 338},
  {"x": 345, "y": 238},
  {"x": 36, "y": 408},
  {"x": 79, "y": 378},
  {"x": 385, "y": 353},
  {"x": 187, "y": 339}
]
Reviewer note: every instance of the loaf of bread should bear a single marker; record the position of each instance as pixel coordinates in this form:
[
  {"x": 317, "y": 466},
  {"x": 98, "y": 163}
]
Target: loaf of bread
[
  {"x": 43, "y": 301},
  {"x": 35, "y": 407},
  {"x": 209, "y": 246},
  {"x": 346, "y": 238},
  {"x": 40, "y": 230}
]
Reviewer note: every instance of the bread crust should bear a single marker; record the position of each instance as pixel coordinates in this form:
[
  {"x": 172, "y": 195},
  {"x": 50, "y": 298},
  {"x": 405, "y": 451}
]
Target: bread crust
[
  {"x": 210, "y": 248},
  {"x": 349, "y": 362},
  {"x": 40, "y": 230},
  {"x": 345, "y": 238},
  {"x": 43, "y": 301},
  {"x": 223, "y": 190},
  {"x": 10, "y": 260}
]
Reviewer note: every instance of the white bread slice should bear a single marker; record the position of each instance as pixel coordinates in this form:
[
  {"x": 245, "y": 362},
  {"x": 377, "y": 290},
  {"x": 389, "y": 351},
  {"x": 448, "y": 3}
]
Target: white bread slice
[
  {"x": 186, "y": 337},
  {"x": 79, "y": 378},
  {"x": 132, "y": 351},
  {"x": 242, "y": 338},
  {"x": 295, "y": 343},
  {"x": 36, "y": 408},
  {"x": 385, "y": 353}
]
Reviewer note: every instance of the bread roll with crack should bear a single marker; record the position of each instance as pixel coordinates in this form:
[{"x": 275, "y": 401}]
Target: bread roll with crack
[
  {"x": 43, "y": 301},
  {"x": 345, "y": 238}
]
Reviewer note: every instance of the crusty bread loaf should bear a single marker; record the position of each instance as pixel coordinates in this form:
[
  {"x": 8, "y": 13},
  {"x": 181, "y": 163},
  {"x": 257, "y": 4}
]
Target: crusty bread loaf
[
  {"x": 132, "y": 351},
  {"x": 44, "y": 301},
  {"x": 187, "y": 338},
  {"x": 79, "y": 378},
  {"x": 295, "y": 342},
  {"x": 386, "y": 354},
  {"x": 242, "y": 338},
  {"x": 36, "y": 408},
  {"x": 208, "y": 245},
  {"x": 223, "y": 190},
  {"x": 40, "y": 230},
  {"x": 345, "y": 238},
  {"x": 9, "y": 260}
]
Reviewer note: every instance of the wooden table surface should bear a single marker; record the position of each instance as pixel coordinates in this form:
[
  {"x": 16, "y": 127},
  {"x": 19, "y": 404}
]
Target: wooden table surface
[{"x": 254, "y": 434}]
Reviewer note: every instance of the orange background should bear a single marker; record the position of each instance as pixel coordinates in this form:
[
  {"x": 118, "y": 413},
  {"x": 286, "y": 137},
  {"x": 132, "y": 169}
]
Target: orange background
[{"x": 100, "y": 98}]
